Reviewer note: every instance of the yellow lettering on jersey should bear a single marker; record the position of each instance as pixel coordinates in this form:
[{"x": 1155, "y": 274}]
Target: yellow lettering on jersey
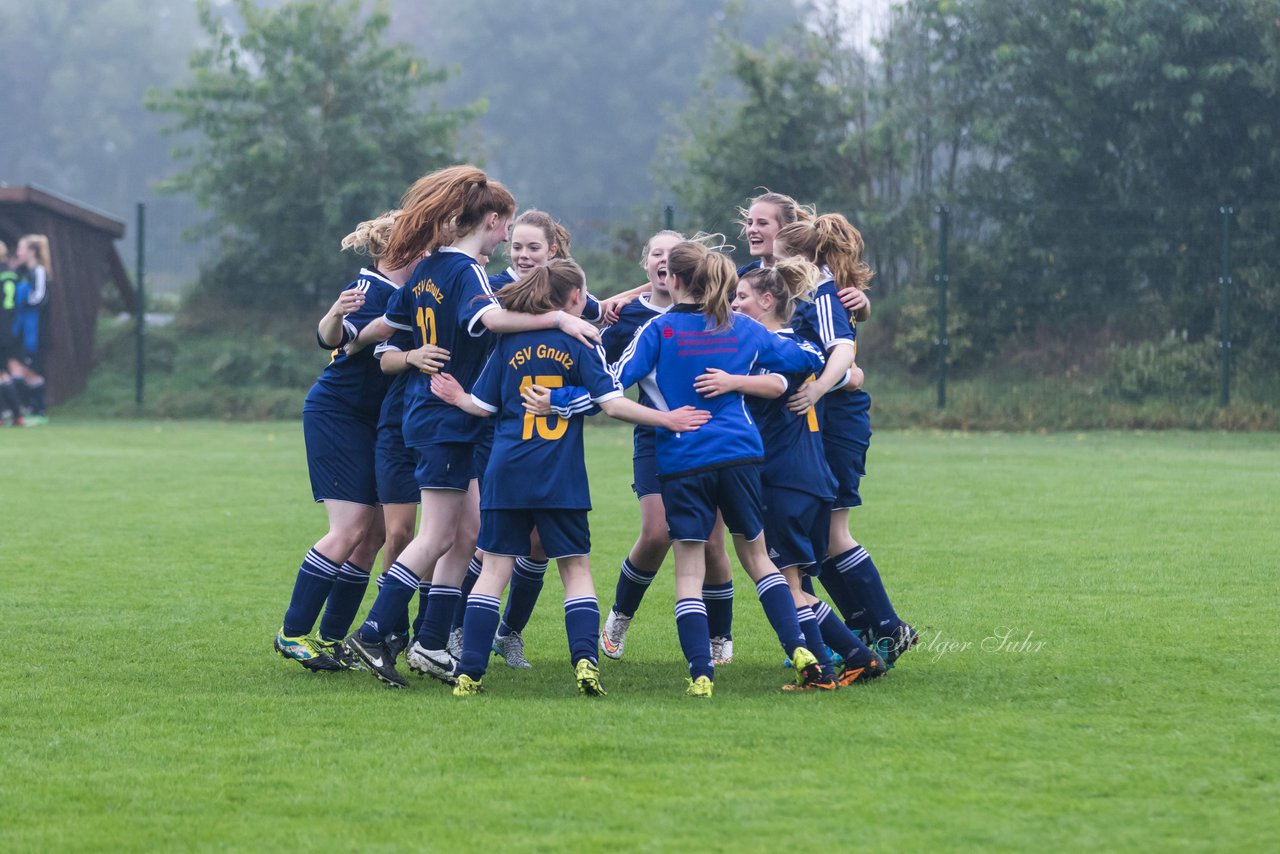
[
  {"x": 521, "y": 356},
  {"x": 545, "y": 352},
  {"x": 541, "y": 423},
  {"x": 428, "y": 287}
]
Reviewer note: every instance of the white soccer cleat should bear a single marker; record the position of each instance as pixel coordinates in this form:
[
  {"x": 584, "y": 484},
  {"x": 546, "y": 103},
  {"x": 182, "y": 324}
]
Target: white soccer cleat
[
  {"x": 721, "y": 651},
  {"x": 614, "y": 636}
]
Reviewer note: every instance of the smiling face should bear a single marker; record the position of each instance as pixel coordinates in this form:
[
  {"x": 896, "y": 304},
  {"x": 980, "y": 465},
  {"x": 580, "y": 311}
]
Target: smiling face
[
  {"x": 750, "y": 303},
  {"x": 763, "y": 221},
  {"x": 529, "y": 249},
  {"x": 655, "y": 260}
]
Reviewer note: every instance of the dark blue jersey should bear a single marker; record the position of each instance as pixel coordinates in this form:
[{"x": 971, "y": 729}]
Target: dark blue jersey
[
  {"x": 826, "y": 323},
  {"x": 355, "y": 384},
  {"x": 442, "y": 304},
  {"x": 537, "y": 462},
  {"x": 615, "y": 339},
  {"x": 392, "y": 415},
  {"x": 753, "y": 265},
  {"x": 793, "y": 453},
  {"x": 668, "y": 354}
]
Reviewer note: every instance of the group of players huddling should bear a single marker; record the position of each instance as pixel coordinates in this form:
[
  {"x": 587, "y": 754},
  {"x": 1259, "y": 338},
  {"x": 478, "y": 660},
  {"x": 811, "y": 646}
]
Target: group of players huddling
[{"x": 465, "y": 394}]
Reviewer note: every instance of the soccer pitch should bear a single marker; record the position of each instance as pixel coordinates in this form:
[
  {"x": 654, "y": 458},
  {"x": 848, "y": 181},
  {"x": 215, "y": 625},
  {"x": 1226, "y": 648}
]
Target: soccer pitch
[{"x": 1099, "y": 666}]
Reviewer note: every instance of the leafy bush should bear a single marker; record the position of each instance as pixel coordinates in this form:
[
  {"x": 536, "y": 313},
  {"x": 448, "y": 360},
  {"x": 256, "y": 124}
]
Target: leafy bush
[{"x": 1172, "y": 367}]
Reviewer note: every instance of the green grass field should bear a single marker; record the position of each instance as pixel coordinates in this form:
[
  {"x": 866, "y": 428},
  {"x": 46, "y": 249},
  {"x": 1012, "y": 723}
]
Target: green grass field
[{"x": 147, "y": 566}]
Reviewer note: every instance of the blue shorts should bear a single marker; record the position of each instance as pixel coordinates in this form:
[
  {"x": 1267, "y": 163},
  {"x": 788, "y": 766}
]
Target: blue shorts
[
  {"x": 447, "y": 465},
  {"x": 796, "y": 528},
  {"x": 848, "y": 463},
  {"x": 644, "y": 473},
  {"x": 692, "y": 500},
  {"x": 340, "y": 456},
  {"x": 564, "y": 533},
  {"x": 395, "y": 466},
  {"x": 483, "y": 449}
]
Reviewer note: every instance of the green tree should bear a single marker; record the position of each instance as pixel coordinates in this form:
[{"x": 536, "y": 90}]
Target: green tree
[{"x": 304, "y": 123}]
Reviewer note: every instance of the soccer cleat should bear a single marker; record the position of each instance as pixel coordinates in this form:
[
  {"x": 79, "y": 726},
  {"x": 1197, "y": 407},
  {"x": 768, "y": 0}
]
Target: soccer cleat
[
  {"x": 335, "y": 650},
  {"x": 865, "y": 672},
  {"x": 893, "y": 645},
  {"x": 510, "y": 647},
  {"x": 614, "y": 636},
  {"x": 588, "y": 679},
  {"x": 304, "y": 650},
  {"x": 436, "y": 663},
  {"x": 824, "y": 682},
  {"x": 806, "y": 665},
  {"x": 721, "y": 651},
  {"x": 396, "y": 643},
  {"x": 700, "y": 688},
  {"x": 376, "y": 657},
  {"x": 467, "y": 687},
  {"x": 455, "y": 643}
]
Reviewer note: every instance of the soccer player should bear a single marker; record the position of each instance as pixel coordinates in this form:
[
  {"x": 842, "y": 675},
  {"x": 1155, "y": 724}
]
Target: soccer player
[
  {"x": 536, "y": 238},
  {"x": 454, "y": 214},
  {"x": 33, "y": 293},
  {"x": 644, "y": 560},
  {"x": 339, "y": 424},
  {"x": 797, "y": 481},
  {"x": 10, "y": 403},
  {"x": 832, "y": 243},
  {"x": 537, "y": 475},
  {"x": 717, "y": 467}
]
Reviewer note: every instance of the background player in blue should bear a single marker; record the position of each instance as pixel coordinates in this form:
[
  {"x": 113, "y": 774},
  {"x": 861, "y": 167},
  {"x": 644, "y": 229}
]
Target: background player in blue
[
  {"x": 835, "y": 245},
  {"x": 456, "y": 215},
  {"x": 36, "y": 266},
  {"x": 10, "y": 404},
  {"x": 339, "y": 425},
  {"x": 797, "y": 481},
  {"x": 717, "y": 467},
  {"x": 555, "y": 499}
]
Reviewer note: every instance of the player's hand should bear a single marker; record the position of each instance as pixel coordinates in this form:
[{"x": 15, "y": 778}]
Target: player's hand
[
  {"x": 715, "y": 382},
  {"x": 686, "y": 419},
  {"x": 349, "y": 302},
  {"x": 428, "y": 358},
  {"x": 583, "y": 330},
  {"x": 537, "y": 400},
  {"x": 445, "y": 387},
  {"x": 854, "y": 300},
  {"x": 613, "y": 306},
  {"x": 804, "y": 398},
  {"x": 856, "y": 378}
]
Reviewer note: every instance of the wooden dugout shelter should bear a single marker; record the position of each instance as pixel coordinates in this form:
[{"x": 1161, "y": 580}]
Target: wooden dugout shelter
[{"x": 83, "y": 252}]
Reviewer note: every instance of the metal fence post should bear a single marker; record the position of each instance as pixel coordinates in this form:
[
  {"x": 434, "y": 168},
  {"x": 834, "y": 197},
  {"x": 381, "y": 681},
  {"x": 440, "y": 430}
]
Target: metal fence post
[
  {"x": 141, "y": 309},
  {"x": 1224, "y": 310},
  {"x": 941, "y": 278},
  {"x": 669, "y": 218}
]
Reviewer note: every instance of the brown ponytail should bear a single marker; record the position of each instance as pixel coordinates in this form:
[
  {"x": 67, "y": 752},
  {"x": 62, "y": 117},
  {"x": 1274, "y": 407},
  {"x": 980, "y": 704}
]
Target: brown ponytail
[
  {"x": 706, "y": 276},
  {"x": 547, "y": 288},
  {"x": 441, "y": 207}
]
